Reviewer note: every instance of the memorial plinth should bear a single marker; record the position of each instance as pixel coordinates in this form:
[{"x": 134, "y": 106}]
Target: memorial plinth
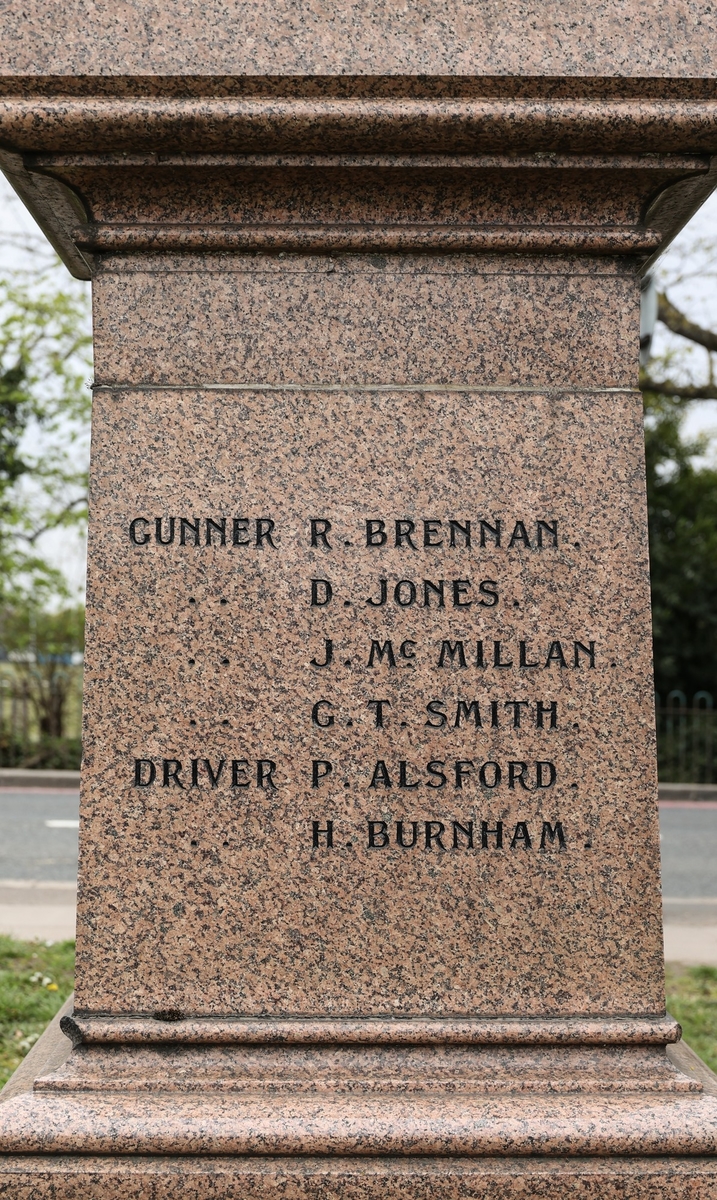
[{"x": 369, "y": 899}]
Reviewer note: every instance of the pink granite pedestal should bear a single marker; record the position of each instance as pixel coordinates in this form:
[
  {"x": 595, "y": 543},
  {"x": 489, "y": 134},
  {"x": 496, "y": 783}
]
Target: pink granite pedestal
[{"x": 369, "y": 898}]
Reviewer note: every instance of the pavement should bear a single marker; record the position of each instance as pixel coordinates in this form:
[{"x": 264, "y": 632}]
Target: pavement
[
  {"x": 32, "y": 909},
  {"x": 38, "y": 867}
]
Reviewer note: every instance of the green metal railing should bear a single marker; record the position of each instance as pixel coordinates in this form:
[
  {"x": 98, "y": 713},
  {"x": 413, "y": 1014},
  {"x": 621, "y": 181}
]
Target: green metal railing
[{"x": 686, "y": 738}]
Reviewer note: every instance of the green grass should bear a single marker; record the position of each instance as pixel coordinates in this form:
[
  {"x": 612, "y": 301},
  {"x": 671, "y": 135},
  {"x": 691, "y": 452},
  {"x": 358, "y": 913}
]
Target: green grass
[
  {"x": 35, "y": 980},
  {"x": 692, "y": 1000}
]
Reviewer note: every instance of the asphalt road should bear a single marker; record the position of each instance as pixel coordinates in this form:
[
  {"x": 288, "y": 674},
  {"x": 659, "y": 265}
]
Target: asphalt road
[
  {"x": 688, "y": 838},
  {"x": 30, "y": 848}
]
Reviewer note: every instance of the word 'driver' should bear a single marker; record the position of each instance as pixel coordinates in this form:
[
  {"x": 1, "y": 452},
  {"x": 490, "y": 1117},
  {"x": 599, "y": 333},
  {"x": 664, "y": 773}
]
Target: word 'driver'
[{"x": 346, "y": 552}]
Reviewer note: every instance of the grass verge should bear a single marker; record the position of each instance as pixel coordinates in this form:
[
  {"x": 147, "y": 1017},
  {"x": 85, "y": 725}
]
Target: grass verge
[
  {"x": 35, "y": 980},
  {"x": 692, "y": 1000}
]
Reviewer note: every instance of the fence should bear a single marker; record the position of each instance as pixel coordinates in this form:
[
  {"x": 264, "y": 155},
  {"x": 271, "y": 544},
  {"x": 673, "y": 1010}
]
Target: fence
[
  {"x": 686, "y": 738},
  {"x": 21, "y": 743}
]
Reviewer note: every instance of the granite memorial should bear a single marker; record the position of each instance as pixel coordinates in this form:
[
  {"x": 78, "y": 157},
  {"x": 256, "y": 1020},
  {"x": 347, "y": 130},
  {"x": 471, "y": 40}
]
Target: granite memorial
[{"x": 369, "y": 897}]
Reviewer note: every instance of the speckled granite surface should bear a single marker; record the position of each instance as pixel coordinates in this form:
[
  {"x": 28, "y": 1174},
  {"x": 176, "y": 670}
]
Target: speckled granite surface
[
  {"x": 369, "y": 883},
  {"x": 218, "y": 669},
  {"x": 115, "y": 37},
  {"x": 352, "y": 1179}
]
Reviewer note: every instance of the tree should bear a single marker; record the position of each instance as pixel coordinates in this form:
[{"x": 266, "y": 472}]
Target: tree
[
  {"x": 678, "y": 323},
  {"x": 44, "y": 415},
  {"x": 45, "y": 649},
  {"x": 44, "y": 425},
  {"x": 682, "y": 507},
  {"x": 682, "y": 512}
]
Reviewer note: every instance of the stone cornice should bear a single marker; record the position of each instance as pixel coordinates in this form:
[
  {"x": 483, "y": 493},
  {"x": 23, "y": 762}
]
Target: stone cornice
[{"x": 326, "y": 173}]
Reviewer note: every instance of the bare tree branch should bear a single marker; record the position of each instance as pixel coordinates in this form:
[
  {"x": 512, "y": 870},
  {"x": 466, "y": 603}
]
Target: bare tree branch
[
  {"x": 680, "y": 324},
  {"x": 665, "y": 387},
  {"x": 57, "y": 519}
]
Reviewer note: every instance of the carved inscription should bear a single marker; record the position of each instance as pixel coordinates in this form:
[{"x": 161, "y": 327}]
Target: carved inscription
[
  {"x": 469, "y": 671},
  {"x": 466, "y": 834},
  {"x": 202, "y": 531}
]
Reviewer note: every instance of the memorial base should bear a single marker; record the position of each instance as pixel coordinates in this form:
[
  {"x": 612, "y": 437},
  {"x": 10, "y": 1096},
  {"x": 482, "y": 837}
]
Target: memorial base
[
  {"x": 405, "y": 1178},
  {"x": 362, "y": 1108}
]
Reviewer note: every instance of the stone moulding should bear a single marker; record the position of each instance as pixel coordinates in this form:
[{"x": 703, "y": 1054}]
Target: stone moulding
[
  {"x": 244, "y": 1089},
  {"x": 333, "y": 124},
  {"x": 623, "y": 1031},
  {"x": 354, "y": 238},
  {"x": 364, "y": 1088},
  {"x": 352, "y": 173},
  {"x": 430, "y": 1088},
  {"x": 118, "y": 1177},
  {"x": 437, "y": 1124}
]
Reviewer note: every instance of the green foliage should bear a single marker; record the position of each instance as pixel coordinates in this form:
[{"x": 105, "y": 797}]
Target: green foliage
[
  {"x": 49, "y": 754},
  {"x": 44, "y": 412},
  {"x": 13, "y": 750},
  {"x": 44, "y": 648},
  {"x": 48, "y": 637},
  {"x": 682, "y": 507},
  {"x": 35, "y": 981},
  {"x": 45, "y": 361},
  {"x": 692, "y": 1000},
  {"x": 681, "y": 489},
  {"x": 15, "y": 413}
]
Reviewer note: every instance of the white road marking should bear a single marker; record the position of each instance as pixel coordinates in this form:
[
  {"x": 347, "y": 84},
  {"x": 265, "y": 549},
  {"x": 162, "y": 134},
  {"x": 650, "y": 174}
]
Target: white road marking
[{"x": 62, "y": 824}]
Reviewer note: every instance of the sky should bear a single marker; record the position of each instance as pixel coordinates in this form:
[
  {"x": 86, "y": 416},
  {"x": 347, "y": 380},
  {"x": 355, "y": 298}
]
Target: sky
[{"x": 687, "y": 270}]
